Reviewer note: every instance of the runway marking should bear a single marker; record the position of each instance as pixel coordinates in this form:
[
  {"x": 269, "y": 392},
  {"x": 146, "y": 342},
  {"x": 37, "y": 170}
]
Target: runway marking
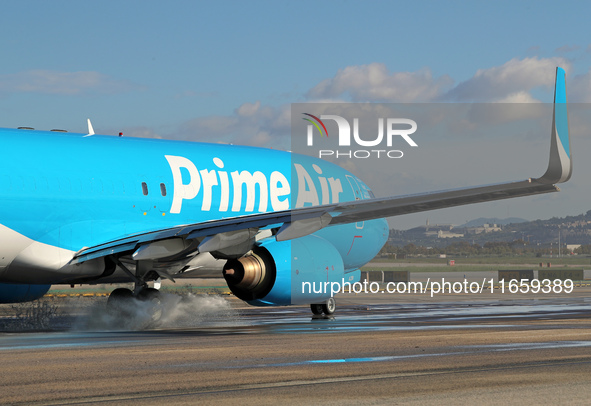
[
  {"x": 476, "y": 348},
  {"x": 317, "y": 381},
  {"x": 465, "y": 350}
]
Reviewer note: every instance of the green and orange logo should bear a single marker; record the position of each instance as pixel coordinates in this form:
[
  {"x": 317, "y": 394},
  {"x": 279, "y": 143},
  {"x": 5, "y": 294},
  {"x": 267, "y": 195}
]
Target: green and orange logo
[{"x": 315, "y": 124}]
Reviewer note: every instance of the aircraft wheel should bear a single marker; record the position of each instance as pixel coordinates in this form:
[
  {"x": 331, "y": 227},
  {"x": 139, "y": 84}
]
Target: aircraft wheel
[
  {"x": 152, "y": 296},
  {"x": 329, "y": 307},
  {"x": 148, "y": 294},
  {"x": 316, "y": 308},
  {"x": 119, "y": 301}
]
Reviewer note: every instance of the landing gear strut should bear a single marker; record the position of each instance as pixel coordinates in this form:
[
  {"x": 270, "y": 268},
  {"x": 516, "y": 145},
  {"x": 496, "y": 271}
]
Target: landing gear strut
[
  {"x": 143, "y": 300},
  {"x": 327, "y": 308}
]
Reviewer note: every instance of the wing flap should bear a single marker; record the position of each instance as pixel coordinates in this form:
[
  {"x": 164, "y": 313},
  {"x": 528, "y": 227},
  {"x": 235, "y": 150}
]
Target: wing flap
[{"x": 192, "y": 231}]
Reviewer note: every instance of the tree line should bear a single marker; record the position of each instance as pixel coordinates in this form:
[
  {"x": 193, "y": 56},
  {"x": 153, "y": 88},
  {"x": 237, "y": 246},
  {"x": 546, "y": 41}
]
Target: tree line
[{"x": 463, "y": 248}]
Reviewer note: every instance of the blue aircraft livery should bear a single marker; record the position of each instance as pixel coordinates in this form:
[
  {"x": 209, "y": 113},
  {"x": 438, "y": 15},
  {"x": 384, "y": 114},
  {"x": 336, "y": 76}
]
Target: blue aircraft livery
[{"x": 86, "y": 208}]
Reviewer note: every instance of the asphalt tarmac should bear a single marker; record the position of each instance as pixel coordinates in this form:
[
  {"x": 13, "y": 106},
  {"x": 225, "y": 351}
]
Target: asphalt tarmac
[{"x": 378, "y": 349}]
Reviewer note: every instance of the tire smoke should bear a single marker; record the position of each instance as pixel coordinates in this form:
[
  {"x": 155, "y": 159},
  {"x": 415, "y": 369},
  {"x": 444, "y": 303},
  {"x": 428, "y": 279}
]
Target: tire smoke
[{"x": 177, "y": 311}]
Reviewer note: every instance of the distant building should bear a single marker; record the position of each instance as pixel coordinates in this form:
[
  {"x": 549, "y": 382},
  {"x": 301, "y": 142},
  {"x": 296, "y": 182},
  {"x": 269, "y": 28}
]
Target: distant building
[
  {"x": 440, "y": 231},
  {"x": 448, "y": 234},
  {"x": 486, "y": 228}
]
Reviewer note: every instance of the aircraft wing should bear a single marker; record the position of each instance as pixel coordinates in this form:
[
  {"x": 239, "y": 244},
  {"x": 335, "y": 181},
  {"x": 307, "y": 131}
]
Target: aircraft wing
[
  {"x": 386, "y": 207},
  {"x": 303, "y": 221}
]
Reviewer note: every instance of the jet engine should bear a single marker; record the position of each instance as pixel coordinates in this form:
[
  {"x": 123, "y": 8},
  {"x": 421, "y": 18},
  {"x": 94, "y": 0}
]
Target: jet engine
[{"x": 300, "y": 271}]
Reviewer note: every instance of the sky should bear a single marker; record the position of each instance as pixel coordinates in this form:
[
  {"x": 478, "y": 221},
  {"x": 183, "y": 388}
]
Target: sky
[{"x": 228, "y": 71}]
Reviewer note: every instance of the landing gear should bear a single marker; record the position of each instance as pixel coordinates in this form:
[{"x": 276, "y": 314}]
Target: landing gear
[
  {"x": 152, "y": 297},
  {"x": 142, "y": 305},
  {"x": 327, "y": 308},
  {"x": 144, "y": 308},
  {"x": 148, "y": 294},
  {"x": 119, "y": 301},
  {"x": 316, "y": 308}
]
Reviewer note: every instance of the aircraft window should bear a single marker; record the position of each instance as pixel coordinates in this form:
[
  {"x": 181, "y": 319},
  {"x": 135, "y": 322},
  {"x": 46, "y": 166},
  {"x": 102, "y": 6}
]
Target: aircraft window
[
  {"x": 145, "y": 188},
  {"x": 163, "y": 189}
]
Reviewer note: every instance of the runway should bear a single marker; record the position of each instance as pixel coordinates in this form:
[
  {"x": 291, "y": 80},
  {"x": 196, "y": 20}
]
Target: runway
[{"x": 377, "y": 350}]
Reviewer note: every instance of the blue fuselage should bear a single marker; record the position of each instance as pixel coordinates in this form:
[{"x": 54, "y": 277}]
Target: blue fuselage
[{"x": 73, "y": 191}]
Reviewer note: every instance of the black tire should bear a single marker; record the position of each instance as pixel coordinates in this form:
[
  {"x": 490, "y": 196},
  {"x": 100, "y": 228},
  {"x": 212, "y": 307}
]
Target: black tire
[
  {"x": 119, "y": 301},
  {"x": 329, "y": 307},
  {"x": 152, "y": 296},
  {"x": 120, "y": 293},
  {"x": 148, "y": 294},
  {"x": 316, "y": 308}
]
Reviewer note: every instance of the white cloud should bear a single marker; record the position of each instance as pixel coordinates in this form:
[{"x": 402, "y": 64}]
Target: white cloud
[
  {"x": 375, "y": 83},
  {"x": 508, "y": 84},
  {"x": 518, "y": 97},
  {"x": 514, "y": 107},
  {"x": 249, "y": 109},
  {"x": 63, "y": 83},
  {"x": 515, "y": 77},
  {"x": 250, "y": 124},
  {"x": 579, "y": 88}
]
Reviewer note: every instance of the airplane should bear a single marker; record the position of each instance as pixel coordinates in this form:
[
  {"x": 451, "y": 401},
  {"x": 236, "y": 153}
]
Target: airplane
[{"x": 89, "y": 209}]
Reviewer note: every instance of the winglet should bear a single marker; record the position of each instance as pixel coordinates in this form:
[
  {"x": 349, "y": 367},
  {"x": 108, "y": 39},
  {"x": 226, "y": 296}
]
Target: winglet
[{"x": 560, "y": 167}]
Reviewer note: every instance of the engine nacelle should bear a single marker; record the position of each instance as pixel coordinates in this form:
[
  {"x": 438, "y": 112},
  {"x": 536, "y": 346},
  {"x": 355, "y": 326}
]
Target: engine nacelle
[
  {"x": 299, "y": 271},
  {"x": 17, "y": 293}
]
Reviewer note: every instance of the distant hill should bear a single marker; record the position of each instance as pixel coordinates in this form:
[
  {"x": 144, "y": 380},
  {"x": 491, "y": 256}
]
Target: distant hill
[
  {"x": 572, "y": 230},
  {"x": 479, "y": 222}
]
